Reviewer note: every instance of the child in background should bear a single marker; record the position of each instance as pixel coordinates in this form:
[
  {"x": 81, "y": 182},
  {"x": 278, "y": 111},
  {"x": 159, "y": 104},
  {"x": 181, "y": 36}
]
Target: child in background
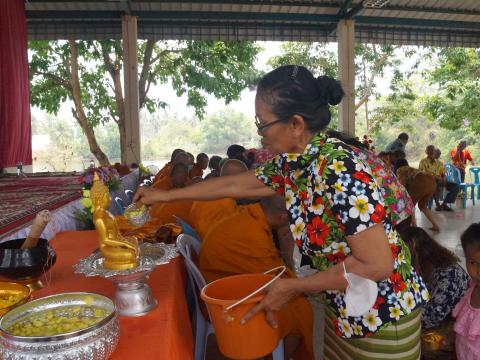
[{"x": 467, "y": 311}]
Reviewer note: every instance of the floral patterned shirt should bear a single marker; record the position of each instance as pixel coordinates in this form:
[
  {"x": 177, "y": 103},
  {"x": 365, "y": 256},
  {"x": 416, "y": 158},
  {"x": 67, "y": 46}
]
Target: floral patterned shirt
[
  {"x": 394, "y": 194},
  {"x": 330, "y": 194}
]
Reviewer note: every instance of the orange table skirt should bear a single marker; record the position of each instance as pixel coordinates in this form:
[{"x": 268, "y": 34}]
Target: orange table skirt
[{"x": 164, "y": 333}]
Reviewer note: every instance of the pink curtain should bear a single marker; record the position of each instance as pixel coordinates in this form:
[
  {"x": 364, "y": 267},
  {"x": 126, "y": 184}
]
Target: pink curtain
[{"x": 15, "y": 126}]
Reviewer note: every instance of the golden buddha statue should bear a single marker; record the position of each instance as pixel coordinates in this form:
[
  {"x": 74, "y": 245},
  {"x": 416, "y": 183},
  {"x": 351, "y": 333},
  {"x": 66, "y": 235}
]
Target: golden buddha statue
[{"x": 119, "y": 252}]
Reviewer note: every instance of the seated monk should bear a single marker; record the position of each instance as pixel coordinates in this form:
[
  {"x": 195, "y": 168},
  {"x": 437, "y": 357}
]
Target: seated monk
[
  {"x": 162, "y": 213},
  {"x": 203, "y": 214},
  {"x": 199, "y": 166},
  {"x": 241, "y": 242},
  {"x": 165, "y": 182},
  {"x": 168, "y": 166},
  {"x": 232, "y": 167}
]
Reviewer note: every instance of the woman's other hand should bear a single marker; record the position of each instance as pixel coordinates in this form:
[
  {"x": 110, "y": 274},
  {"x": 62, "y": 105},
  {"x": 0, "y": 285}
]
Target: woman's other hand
[
  {"x": 149, "y": 196},
  {"x": 277, "y": 296}
]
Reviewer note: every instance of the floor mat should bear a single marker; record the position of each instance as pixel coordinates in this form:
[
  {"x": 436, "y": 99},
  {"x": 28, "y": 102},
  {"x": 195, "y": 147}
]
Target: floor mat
[{"x": 22, "y": 198}]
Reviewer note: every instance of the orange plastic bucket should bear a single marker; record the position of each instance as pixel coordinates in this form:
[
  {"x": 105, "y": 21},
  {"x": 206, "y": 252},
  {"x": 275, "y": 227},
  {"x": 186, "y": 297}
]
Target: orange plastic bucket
[{"x": 252, "y": 340}]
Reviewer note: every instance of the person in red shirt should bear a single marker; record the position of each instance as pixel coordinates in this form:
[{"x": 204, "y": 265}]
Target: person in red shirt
[{"x": 460, "y": 155}]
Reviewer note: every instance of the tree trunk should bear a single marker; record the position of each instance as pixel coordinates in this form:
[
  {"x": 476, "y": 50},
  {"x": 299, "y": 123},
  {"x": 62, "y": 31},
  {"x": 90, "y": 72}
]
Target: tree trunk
[{"x": 78, "y": 111}]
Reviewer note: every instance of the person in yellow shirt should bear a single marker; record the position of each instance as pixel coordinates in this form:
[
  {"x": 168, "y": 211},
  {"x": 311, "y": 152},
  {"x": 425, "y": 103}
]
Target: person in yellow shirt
[{"x": 432, "y": 165}]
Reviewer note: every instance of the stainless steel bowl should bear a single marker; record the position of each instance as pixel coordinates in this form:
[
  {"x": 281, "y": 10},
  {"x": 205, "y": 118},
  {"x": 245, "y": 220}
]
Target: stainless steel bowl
[{"x": 95, "y": 342}]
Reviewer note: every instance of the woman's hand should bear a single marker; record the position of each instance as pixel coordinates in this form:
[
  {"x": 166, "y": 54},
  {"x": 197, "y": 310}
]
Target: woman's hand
[
  {"x": 277, "y": 296},
  {"x": 149, "y": 196}
]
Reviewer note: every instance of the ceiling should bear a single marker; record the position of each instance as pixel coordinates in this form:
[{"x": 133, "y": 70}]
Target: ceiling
[{"x": 405, "y": 22}]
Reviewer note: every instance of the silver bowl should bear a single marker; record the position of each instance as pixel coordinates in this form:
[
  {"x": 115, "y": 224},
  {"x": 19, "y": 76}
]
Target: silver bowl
[
  {"x": 95, "y": 342},
  {"x": 136, "y": 220}
]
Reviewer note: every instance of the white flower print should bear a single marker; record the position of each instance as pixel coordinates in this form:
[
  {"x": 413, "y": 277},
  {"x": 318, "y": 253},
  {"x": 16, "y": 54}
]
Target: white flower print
[
  {"x": 297, "y": 228},
  {"x": 371, "y": 320},
  {"x": 339, "y": 198},
  {"x": 357, "y": 330},
  {"x": 289, "y": 198},
  {"x": 395, "y": 312},
  {"x": 361, "y": 207},
  {"x": 408, "y": 302},
  {"x": 338, "y": 167},
  {"x": 346, "y": 328}
]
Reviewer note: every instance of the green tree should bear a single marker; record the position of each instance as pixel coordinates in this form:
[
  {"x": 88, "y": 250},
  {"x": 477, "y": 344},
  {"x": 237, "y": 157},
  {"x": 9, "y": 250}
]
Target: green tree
[
  {"x": 456, "y": 103},
  {"x": 88, "y": 73},
  {"x": 224, "y": 128}
]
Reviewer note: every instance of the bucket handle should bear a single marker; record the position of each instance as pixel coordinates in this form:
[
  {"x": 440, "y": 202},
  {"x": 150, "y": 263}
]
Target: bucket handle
[{"x": 283, "y": 269}]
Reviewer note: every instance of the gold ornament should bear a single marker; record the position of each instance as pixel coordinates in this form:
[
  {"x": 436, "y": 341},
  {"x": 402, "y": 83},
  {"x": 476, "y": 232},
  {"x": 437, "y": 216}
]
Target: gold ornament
[{"x": 119, "y": 252}]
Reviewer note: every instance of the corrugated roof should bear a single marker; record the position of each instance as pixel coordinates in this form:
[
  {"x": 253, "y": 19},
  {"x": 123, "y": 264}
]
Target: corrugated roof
[{"x": 427, "y": 22}]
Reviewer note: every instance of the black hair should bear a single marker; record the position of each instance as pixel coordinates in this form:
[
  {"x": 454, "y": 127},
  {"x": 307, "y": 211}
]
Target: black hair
[
  {"x": 399, "y": 163},
  {"x": 234, "y": 150},
  {"x": 199, "y": 156},
  {"x": 292, "y": 89},
  {"x": 471, "y": 236},
  {"x": 403, "y": 136},
  {"x": 347, "y": 139},
  {"x": 214, "y": 162}
]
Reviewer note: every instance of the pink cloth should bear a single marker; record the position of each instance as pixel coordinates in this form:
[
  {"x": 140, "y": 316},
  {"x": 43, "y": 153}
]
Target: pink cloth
[{"x": 467, "y": 328}]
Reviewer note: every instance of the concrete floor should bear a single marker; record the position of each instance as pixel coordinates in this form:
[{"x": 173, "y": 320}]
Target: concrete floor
[{"x": 452, "y": 224}]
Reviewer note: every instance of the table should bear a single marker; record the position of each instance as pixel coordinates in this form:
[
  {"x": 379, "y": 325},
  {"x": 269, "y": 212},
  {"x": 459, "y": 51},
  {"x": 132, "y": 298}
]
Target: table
[{"x": 164, "y": 333}]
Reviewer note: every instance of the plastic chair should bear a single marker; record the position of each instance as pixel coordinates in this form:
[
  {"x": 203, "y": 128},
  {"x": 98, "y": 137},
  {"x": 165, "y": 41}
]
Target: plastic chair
[
  {"x": 120, "y": 205},
  {"x": 186, "y": 245},
  {"x": 453, "y": 175},
  {"x": 475, "y": 172},
  {"x": 189, "y": 230},
  {"x": 129, "y": 194}
]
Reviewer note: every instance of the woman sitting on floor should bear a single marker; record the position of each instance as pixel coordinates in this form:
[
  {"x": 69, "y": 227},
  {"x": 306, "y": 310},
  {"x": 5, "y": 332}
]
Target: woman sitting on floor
[{"x": 445, "y": 278}]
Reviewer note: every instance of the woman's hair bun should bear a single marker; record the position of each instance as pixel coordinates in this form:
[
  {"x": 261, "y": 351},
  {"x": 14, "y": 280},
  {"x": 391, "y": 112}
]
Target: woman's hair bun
[{"x": 329, "y": 89}]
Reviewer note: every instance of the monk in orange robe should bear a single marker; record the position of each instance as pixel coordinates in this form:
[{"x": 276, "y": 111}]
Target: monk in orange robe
[
  {"x": 204, "y": 214},
  {"x": 163, "y": 182},
  {"x": 199, "y": 166},
  {"x": 165, "y": 171},
  {"x": 242, "y": 242},
  {"x": 162, "y": 213}
]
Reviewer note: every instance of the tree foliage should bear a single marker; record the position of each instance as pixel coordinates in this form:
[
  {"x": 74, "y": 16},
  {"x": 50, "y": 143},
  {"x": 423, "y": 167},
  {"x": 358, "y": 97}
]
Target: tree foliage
[
  {"x": 89, "y": 73},
  {"x": 456, "y": 103}
]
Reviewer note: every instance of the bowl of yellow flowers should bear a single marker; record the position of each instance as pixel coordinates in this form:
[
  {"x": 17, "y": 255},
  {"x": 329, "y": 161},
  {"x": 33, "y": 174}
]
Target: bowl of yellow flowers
[
  {"x": 137, "y": 214},
  {"x": 62, "y": 326},
  {"x": 11, "y": 295}
]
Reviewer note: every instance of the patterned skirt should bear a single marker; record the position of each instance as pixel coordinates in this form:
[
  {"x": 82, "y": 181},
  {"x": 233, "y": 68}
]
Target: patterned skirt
[{"x": 398, "y": 341}]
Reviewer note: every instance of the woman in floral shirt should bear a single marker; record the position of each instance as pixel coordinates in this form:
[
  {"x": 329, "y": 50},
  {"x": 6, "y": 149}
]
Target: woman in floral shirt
[{"x": 337, "y": 216}]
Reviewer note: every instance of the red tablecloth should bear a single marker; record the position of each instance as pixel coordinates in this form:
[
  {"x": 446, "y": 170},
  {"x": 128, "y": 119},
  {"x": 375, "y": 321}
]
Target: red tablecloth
[{"x": 164, "y": 333}]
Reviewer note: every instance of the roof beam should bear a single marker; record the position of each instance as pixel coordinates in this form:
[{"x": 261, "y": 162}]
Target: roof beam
[
  {"x": 344, "y": 8},
  {"x": 374, "y": 20}
]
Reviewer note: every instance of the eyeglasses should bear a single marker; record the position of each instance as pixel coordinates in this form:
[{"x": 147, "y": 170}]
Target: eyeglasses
[{"x": 261, "y": 126}]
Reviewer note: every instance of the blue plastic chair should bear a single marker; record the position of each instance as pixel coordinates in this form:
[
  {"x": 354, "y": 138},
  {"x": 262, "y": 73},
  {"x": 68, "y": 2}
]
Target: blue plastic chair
[
  {"x": 129, "y": 194},
  {"x": 119, "y": 205},
  {"x": 453, "y": 175},
  {"x": 186, "y": 245},
  {"x": 475, "y": 172},
  {"x": 188, "y": 229}
]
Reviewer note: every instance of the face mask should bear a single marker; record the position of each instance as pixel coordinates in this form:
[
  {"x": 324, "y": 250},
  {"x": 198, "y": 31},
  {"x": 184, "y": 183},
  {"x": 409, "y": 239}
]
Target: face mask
[{"x": 360, "y": 294}]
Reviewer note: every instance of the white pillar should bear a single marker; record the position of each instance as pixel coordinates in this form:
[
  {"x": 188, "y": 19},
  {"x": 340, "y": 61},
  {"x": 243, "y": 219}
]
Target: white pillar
[
  {"x": 346, "y": 74},
  {"x": 130, "y": 80}
]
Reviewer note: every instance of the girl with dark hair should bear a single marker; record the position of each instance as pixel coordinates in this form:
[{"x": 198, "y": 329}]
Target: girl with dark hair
[
  {"x": 337, "y": 216},
  {"x": 445, "y": 278},
  {"x": 467, "y": 311}
]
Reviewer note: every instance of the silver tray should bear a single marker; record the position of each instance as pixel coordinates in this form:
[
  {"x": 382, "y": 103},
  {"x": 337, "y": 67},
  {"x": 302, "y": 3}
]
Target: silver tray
[
  {"x": 151, "y": 255},
  {"x": 95, "y": 342}
]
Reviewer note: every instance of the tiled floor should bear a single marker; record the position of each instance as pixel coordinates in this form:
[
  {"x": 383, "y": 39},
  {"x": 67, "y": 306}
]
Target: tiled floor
[{"x": 452, "y": 224}]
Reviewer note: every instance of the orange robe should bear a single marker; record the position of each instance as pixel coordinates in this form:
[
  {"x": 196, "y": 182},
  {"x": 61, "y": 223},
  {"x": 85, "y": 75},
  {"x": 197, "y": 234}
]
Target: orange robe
[
  {"x": 164, "y": 183},
  {"x": 163, "y": 171},
  {"x": 196, "y": 171},
  {"x": 204, "y": 214},
  {"x": 242, "y": 243},
  {"x": 160, "y": 214}
]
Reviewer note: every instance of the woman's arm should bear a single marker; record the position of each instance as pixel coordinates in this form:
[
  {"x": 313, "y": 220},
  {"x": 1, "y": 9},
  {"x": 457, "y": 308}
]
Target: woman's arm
[
  {"x": 244, "y": 185},
  {"x": 371, "y": 258}
]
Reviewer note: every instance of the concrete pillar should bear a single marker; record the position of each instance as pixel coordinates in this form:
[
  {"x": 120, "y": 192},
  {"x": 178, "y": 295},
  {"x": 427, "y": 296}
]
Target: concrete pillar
[
  {"x": 346, "y": 74},
  {"x": 130, "y": 79}
]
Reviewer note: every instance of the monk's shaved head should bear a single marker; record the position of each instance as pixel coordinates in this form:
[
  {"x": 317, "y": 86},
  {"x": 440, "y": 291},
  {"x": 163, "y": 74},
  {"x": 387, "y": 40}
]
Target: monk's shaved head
[
  {"x": 233, "y": 167},
  {"x": 181, "y": 158},
  {"x": 175, "y": 153}
]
